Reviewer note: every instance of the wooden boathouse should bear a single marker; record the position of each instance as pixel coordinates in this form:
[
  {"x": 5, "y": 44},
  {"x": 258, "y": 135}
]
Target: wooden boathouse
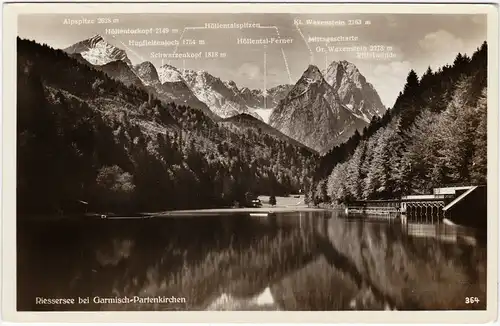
[{"x": 457, "y": 204}]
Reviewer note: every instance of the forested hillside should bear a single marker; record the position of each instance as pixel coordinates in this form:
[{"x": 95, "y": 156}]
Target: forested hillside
[
  {"x": 434, "y": 135},
  {"x": 86, "y": 138}
]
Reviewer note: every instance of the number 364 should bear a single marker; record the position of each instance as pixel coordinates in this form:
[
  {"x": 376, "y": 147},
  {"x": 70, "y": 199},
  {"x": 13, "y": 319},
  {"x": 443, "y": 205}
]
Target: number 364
[{"x": 470, "y": 300}]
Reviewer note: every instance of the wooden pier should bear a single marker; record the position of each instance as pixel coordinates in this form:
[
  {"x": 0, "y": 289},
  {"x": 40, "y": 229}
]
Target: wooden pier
[
  {"x": 443, "y": 203},
  {"x": 389, "y": 208}
]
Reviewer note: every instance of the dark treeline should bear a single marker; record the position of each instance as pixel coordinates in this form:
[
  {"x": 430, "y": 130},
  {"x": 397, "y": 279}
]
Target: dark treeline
[
  {"x": 434, "y": 135},
  {"x": 84, "y": 137}
]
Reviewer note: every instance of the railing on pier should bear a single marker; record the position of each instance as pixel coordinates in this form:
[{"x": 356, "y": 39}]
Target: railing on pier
[
  {"x": 424, "y": 210},
  {"x": 372, "y": 210},
  {"x": 443, "y": 203},
  {"x": 381, "y": 208}
]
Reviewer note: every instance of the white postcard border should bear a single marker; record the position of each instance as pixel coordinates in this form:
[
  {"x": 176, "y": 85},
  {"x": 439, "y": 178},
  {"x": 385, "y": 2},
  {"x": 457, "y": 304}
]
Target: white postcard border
[{"x": 9, "y": 313}]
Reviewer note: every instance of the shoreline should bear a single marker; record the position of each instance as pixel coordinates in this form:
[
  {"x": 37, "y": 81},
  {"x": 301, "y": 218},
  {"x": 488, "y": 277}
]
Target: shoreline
[
  {"x": 173, "y": 213},
  {"x": 218, "y": 211},
  {"x": 289, "y": 204}
]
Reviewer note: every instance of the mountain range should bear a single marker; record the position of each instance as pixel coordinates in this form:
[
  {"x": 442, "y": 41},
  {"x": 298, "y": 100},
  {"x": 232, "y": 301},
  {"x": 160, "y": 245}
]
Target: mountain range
[
  {"x": 98, "y": 52},
  {"x": 122, "y": 150},
  {"x": 353, "y": 89},
  {"x": 198, "y": 89},
  {"x": 313, "y": 113},
  {"x": 322, "y": 110}
]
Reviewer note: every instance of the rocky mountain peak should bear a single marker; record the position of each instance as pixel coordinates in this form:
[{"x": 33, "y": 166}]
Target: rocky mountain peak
[
  {"x": 146, "y": 71},
  {"x": 146, "y": 65},
  {"x": 311, "y": 78},
  {"x": 96, "y": 39},
  {"x": 231, "y": 84},
  {"x": 339, "y": 70},
  {"x": 354, "y": 90},
  {"x": 98, "y": 51},
  {"x": 313, "y": 73},
  {"x": 245, "y": 91},
  {"x": 121, "y": 71},
  {"x": 168, "y": 73},
  {"x": 313, "y": 114},
  {"x": 222, "y": 97}
]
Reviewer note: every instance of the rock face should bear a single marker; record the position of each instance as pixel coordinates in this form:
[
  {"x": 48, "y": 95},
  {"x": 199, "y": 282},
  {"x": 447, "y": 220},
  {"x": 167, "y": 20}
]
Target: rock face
[
  {"x": 101, "y": 55},
  {"x": 261, "y": 105},
  {"x": 98, "y": 52},
  {"x": 340, "y": 100},
  {"x": 255, "y": 97},
  {"x": 276, "y": 94},
  {"x": 313, "y": 114},
  {"x": 252, "y": 98},
  {"x": 114, "y": 62},
  {"x": 170, "y": 89},
  {"x": 168, "y": 73},
  {"x": 146, "y": 71},
  {"x": 354, "y": 91},
  {"x": 121, "y": 71},
  {"x": 222, "y": 100},
  {"x": 167, "y": 84}
]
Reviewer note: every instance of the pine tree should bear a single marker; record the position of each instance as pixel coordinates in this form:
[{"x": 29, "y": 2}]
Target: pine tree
[
  {"x": 321, "y": 195},
  {"x": 409, "y": 103},
  {"x": 272, "y": 200}
]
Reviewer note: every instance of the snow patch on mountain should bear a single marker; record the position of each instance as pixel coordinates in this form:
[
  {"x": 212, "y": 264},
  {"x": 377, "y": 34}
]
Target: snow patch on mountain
[
  {"x": 264, "y": 114},
  {"x": 168, "y": 73},
  {"x": 98, "y": 52}
]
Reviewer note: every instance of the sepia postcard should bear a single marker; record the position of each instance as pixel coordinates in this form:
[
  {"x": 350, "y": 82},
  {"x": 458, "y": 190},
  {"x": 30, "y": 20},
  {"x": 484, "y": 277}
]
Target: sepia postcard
[{"x": 218, "y": 162}]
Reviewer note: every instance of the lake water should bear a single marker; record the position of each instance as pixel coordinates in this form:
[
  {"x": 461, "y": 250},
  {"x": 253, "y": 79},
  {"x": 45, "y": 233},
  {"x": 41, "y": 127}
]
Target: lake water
[{"x": 287, "y": 261}]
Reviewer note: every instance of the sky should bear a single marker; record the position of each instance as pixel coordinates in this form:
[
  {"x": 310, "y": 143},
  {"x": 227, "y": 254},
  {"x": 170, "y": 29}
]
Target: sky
[{"x": 384, "y": 47}]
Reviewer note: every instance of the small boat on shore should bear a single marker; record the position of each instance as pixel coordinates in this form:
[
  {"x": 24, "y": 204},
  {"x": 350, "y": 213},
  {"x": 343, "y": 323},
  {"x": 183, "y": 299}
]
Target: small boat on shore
[{"x": 261, "y": 214}]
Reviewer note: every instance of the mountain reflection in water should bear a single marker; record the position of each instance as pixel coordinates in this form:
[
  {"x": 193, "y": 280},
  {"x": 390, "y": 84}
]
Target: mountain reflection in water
[{"x": 289, "y": 261}]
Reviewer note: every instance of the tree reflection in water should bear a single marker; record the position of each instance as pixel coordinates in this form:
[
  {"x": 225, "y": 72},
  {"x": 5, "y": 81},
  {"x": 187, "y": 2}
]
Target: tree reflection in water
[{"x": 292, "y": 261}]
